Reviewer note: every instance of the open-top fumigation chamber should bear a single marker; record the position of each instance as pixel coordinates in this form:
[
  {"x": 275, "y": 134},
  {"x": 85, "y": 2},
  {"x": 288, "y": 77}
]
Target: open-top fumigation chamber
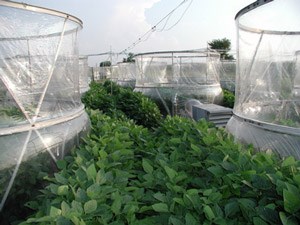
[
  {"x": 267, "y": 105},
  {"x": 40, "y": 108},
  {"x": 124, "y": 74},
  {"x": 179, "y": 79}
]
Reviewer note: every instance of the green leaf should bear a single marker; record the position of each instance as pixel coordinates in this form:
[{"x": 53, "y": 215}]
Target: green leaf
[
  {"x": 81, "y": 195},
  {"x": 247, "y": 204},
  {"x": 160, "y": 207},
  {"x": 216, "y": 170},
  {"x": 90, "y": 206},
  {"x": 65, "y": 208},
  {"x": 207, "y": 192},
  {"x": 261, "y": 182},
  {"x": 291, "y": 201},
  {"x": 94, "y": 191},
  {"x": 147, "y": 221},
  {"x": 41, "y": 219},
  {"x": 209, "y": 214},
  {"x": 289, "y": 161},
  {"x": 179, "y": 201},
  {"x": 61, "y": 164},
  {"x": 60, "y": 179},
  {"x": 147, "y": 166},
  {"x": 190, "y": 220},
  {"x": 63, "y": 190},
  {"x": 287, "y": 220},
  {"x": 77, "y": 207},
  {"x": 170, "y": 172},
  {"x": 53, "y": 188},
  {"x": 175, "y": 140},
  {"x": 116, "y": 206},
  {"x": 297, "y": 179},
  {"x": 63, "y": 221},
  {"x": 91, "y": 172},
  {"x": 159, "y": 196},
  {"x": 231, "y": 209},
  {"x": 174, "y": 221},
  {"x": 32, "y": 205},
  {"x": 103, "y": 154},
  {"x": 76, "y": 221},
  {"x": 54, "y": 212},
  {"x": 100, "y": 177},
  {"x": 259, "y": 221},
  {"x": 195, "y": 148},
  {"x": 269, "y": 213},
  {"x": 145, "y": 208},
  {"x": 181, "y": 176}
]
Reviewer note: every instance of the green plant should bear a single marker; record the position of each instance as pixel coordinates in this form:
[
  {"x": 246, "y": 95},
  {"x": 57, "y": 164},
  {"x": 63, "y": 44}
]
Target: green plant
[
  {"x": 183, "y": 172},
  {"x": 26, "y": 187},
  {"x": 228, "y": 99},
  {"x": 11, "y": 112},
  {"x": 223, "y": 46},
  {"x": 118, "y": 102}
]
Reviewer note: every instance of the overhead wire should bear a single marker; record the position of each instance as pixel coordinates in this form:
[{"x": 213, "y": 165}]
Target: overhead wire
[
  {"x": 147, "y": 35},
  {"x": 180, "y": 17},
  {"x": 167, "y": 17}
]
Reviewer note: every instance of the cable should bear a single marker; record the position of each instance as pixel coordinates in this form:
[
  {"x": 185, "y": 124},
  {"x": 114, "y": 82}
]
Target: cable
[
  {"x": 180, "y": 17},
  {"x": 153, "y": 29}
]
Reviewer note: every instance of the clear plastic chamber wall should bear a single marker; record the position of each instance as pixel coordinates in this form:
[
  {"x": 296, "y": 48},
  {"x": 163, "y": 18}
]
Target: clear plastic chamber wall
[
  {"x": 84, "y": 74},
  {"x": 177, "y": 78},
  {"x": 40, "y": 106},
  {"x": 267, "y": 106},
  {"x": 227, "y": 75},
  {"x": 124, "y": 74}
]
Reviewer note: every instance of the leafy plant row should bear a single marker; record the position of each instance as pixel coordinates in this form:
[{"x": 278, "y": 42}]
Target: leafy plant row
[
  {"x": 183, "y": 172},
  {"x": 116, "y": 101}
]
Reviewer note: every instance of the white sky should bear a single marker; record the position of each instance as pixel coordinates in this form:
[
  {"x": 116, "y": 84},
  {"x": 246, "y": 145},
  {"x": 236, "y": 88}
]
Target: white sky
[{"x": 117, "y": 24}]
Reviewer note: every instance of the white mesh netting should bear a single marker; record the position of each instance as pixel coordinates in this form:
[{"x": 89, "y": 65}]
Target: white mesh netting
[
  {"x": 40, "y": 107},
  {"x": 267, "y": 107}
]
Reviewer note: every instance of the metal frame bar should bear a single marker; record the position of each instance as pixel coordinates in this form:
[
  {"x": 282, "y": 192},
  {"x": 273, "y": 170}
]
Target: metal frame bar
[
  {"x": 39, "y": 9},
  {"x": 253, "y": 6},
  {"x": 41, "y": 124},
  {"x": 250, "y": 7},
  {"x": 268, "y": 126},
  {"x": 202, "y": 51}
]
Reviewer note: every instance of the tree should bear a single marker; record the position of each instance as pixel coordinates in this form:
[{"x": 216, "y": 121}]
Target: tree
[
  {"x": 105, "y": 64},
  {"x": 130, "y": 58},
  {"x": 223, "y": 46}
]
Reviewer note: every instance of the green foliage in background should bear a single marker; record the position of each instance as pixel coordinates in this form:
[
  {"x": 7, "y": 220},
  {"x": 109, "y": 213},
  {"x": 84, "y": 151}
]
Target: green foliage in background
[
  {"x": 223, "y": 46},
  {"x": 183, "y": 172},
  {"x": 105, "y": 64},
  {"x": 129, "y": 59},
  {"x": 118, "y": 102},
  {"x": 228, "y": 98}
]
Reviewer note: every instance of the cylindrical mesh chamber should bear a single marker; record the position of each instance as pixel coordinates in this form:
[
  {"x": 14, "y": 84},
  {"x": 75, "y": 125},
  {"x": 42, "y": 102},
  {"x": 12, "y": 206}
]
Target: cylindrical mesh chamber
[
  {"x": 267, "y": 94},
  {"x": 40, "y": 107},
  {"x": 172, "y": 78}
]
